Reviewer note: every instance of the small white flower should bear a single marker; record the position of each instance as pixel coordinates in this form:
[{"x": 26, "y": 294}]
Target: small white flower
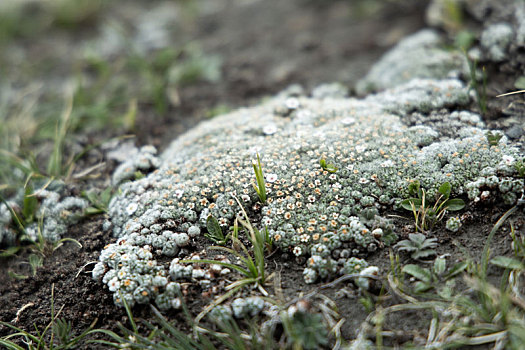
[
  {"x": 387, "y": 164},
  {"x": 271, "y": 178},
  {"x": 363, "y": 282},
  {"x": 269, "y": 129},
  {"x": 348, "y": 121},
  {"x": 292, "y": 103},
  {"x": 360, "y": 148},
  {"x": 266, "y": 221},
  {"x": 363, "y": 181},
  {"x": 245, "y": 198},
  {"x": 508, "y": 160},
  {"x": 179, "y": 193},
  {"x": 131, "y": 208},
  {"x": 304, "y": 113},
  {"x": 114, "y": 284},
  {"x": 298, "y": 251}
]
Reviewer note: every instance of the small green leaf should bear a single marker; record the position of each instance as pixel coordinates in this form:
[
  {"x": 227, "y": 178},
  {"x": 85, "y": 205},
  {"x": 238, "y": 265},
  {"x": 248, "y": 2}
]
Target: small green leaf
[
  {"x": 445, "y": 292},
  {"x": 93, "y": 211},
  {"x": 105, "y": 196},
  {"x": 493, "y": 137},
  {"x": 407, "y": 204},
  {"x": 406, "y": 245},
  {"x": 423, "y": 254},
  {"x": 454, "y": 204},
  {"x": 16, "y": 276},
  {"x": 414, "y": 189},
  {"x": 326, "y": 166},
  {"x": 213, "y": 227},
  {"x": 418, "y": 272},
  {"x": 440, "y": 265},
  {"x": 417, "y": 238},
  {"x": 9, "y": 251},
  {"x": 456, "y": 269},
  {"x": 445, "y": 189},
  {"x": 30, "y": 205},
  {"x": 35, "y": 261},
  {"x": 508, "y": 263},
  {"x": 260, "y": 187},
  {"x": 464, "y": 40},
  {"x": 520, "y": 83},
  {"x": 420, "y": 287},
  {"x": 429, "y": 243}
]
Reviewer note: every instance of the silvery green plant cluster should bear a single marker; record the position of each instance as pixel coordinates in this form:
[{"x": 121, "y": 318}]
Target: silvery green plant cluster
[
  {"x": 239, "y": 308},
  {"x": 135, "y": 276},
  {"x": 322, "y": 216},
  {"x": 143, "y": 161},
  {"x": 7, "y": 235},
  {"x": 453, "y": 224},
  {"x": 495, "y": 41},
  {"x": 54, "y": 214},
  {"x": 499, "y": 181}
]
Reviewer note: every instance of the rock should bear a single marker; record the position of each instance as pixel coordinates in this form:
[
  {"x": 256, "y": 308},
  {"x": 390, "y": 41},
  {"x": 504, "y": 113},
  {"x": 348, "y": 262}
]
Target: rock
[{"x": 418, "y": 56}]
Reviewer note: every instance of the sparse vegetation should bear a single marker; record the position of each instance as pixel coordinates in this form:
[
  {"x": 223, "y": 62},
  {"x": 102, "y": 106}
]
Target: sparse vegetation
[
  {"x": 259, "y": 185},
  {"x": 428, "y": 213},
  {"x": 418, "y": 245},
  {"x": 479, "y": 85},
  {"x": 253, "y": 268},
  {"x": 327, "y": 166},
  {"x": 57, "y": 334},
  {"x": 215, "y": 233}
]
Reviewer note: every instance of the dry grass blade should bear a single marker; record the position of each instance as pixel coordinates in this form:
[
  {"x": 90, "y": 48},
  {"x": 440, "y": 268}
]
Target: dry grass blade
[{"x": 511, "y": 93}]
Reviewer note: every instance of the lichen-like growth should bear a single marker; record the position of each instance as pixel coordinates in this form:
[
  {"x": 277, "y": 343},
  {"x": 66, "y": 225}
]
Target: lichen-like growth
[
  {"x": 53, "y": 213},
  {"x": 331, "y": 165}
]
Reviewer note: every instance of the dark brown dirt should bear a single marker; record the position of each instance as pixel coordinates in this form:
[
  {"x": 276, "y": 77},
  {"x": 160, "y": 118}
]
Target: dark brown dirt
[{"x": 265, "y": 46}]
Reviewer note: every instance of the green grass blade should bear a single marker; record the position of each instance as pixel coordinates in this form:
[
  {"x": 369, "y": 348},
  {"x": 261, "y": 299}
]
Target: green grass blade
[
  {"x": 14, "y": 216},
  {"x": 128, "y": 312},
  {"x": 54, "y": 167},
  {"x": 247, "y": 261},
  {"x": 183, "y": 340},
  {"x": 486, "y": 249},
  {"x": 20, "y": 332},
  {"x": 10, "y": 345}
]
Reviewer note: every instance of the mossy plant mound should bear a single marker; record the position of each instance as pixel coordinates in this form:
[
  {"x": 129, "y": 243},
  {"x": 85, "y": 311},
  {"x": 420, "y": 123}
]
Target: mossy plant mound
[{"x": 324, "y": 215}]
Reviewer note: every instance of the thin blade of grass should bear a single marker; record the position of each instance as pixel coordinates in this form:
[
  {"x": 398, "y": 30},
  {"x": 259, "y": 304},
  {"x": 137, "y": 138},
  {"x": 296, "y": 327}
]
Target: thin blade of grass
[
  {"x": 486, "y": 249},
  {"x": 54, "y": 167}
]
